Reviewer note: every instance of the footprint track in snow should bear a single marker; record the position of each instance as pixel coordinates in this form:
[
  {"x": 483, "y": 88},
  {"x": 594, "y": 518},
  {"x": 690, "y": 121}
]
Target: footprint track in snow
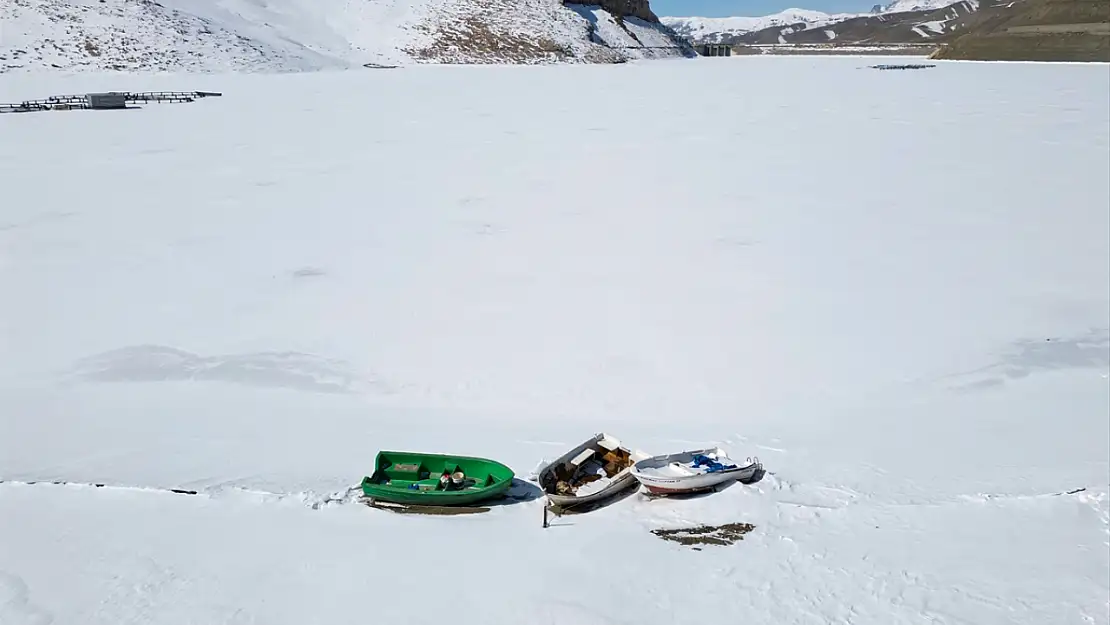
[{"x": 308, "y": 499}]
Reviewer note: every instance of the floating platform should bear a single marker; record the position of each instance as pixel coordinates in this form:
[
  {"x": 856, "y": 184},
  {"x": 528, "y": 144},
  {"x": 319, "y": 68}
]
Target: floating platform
[
  {"x": 903, "y": 66},
  {"x": 110, "y": 100}
]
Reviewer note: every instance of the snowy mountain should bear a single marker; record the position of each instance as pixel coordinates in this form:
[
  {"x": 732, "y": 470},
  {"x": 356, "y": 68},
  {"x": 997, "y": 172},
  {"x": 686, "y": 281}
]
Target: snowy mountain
[
  {"x": 804, "y": 24},
  {"x": 903, "y": 6},
  {"x": 910, "y": 27},
  {"x": 297, "y": 35},
  {"x": 718, "y": 29}
]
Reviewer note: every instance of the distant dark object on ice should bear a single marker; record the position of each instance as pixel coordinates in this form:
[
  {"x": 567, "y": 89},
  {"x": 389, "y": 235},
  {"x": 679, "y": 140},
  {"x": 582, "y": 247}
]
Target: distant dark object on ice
[
  {"x": 110, "y": 100},
  {"x": 379, "y": 66},
  {"x": 713, "y": 49},
  {"x": 906, "y": 66}
]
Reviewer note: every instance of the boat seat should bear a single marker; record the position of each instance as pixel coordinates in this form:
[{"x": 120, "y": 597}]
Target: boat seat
[{"x": 585, "y": 455}]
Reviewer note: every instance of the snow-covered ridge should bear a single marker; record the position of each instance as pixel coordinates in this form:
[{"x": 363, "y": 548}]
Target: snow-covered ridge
[
  {"x": 725, "y": 29},
  {"x": 714, "y": 28},
  {"x": 300, "y": 35},
  {"x": 903, "y": 6},
  {"x": 946, "y": 22}
]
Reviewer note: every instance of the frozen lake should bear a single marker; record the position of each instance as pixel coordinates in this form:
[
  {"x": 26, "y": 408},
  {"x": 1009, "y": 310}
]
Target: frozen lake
[{"x": 893, "y": 287}]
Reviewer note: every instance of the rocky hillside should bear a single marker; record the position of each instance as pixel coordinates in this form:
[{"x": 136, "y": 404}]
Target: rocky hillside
[
  {"x": 1035, "y": 30},
  {"x": 1013, "y": 30},
  {"x": 302, "y": 35}
]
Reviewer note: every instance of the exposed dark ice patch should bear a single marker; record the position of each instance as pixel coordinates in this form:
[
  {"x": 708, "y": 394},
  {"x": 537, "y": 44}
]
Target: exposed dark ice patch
[
  {"x": 308, "y": 272},
  {"x": 733, "y": 242},
  {"x": 157, "y": 363},
  {"x": 696, "y": 537},
  {"x": 1028, "y": 356}
]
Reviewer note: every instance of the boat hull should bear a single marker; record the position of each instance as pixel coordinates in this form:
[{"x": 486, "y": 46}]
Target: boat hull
[
  {"x": 623, "y": 482},
  {"x": 656, "y": 477},
  {"x": 412, "y": 478}
]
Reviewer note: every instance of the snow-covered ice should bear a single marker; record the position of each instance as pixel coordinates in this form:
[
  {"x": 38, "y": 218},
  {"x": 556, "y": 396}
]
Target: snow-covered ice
[{"x": 891, "y": 287}]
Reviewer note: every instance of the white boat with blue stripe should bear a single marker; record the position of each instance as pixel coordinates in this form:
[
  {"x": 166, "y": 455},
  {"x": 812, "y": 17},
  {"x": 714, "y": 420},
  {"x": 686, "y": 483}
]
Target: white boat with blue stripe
[{"x": 692, "y": 471}]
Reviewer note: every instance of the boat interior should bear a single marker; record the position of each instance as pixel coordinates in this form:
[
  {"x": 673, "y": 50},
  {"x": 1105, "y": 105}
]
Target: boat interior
[
  {"x": 600, "y": 459},
  {"x": 425, "y": 473}
]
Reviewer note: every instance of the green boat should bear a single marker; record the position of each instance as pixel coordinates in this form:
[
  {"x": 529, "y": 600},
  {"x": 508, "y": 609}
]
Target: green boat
[{"x": 418, "y": 479}]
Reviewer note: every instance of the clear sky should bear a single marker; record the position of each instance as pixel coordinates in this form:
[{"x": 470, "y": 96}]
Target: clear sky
[{"x": 722, "y": 8}]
